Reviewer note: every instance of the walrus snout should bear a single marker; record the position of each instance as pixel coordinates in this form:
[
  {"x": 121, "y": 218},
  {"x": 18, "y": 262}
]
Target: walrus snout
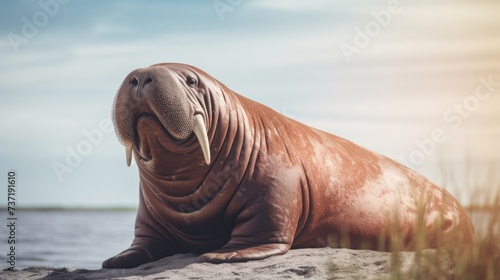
[
  {"x": 157, "y": 92},
  {"x": 139, "y": 81}
]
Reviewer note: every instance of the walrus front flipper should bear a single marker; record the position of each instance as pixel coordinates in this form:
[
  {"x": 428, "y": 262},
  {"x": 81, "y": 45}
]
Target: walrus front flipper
[
  {"x": 241, "y": 253},
  {"x": 128, "y": 259},
  {"x": 134, "y": 257}
]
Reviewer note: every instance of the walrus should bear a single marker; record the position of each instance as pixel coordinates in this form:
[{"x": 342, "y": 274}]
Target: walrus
[{"x": 233, "y": 180}]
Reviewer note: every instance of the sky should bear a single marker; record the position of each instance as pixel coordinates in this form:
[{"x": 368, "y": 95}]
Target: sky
[{"x": 417, "y": 81}]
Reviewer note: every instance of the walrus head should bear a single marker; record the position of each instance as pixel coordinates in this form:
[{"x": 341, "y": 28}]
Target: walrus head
[{"x": 166, "y": 96}]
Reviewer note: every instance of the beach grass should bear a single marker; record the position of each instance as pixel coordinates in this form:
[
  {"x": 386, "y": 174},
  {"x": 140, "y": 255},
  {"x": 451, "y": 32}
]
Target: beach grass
[{"x": 478, "y": 260}]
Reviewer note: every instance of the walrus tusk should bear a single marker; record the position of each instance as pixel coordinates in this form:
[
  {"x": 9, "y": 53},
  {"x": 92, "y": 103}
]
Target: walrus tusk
[
  {"x": 201, "y": 133},
  {"x": 128, "y": 152}
]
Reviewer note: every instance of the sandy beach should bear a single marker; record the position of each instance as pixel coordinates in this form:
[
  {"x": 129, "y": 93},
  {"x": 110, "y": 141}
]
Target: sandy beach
[{"x": 296, "y": 264}]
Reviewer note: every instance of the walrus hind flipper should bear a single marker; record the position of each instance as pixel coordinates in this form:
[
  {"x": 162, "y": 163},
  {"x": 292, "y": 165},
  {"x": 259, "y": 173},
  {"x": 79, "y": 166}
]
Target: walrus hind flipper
[{"x": 243, "y": 253}]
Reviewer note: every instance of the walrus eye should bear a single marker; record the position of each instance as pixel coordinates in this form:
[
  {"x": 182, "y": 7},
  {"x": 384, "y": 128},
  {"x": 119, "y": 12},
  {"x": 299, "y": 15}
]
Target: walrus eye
[{"x": 191, "y": 81}]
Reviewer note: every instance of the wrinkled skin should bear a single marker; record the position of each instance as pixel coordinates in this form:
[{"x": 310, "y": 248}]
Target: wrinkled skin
[{"x": 272, "y": 183}]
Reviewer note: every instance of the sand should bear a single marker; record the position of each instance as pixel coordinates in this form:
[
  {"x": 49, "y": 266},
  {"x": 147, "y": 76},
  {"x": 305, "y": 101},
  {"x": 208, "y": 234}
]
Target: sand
[{"x": 296, "y": 264}]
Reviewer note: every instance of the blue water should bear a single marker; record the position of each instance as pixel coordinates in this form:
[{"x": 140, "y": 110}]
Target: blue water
[
  {"x": 83, "y": 239},
  {"x": 80, "y": 239}
]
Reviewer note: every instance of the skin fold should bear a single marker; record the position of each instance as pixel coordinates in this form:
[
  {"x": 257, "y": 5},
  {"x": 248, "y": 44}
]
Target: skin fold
[{"x": 233, "y": 180}]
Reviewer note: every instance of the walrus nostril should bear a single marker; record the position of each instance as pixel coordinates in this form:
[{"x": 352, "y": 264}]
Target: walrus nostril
[
  {"x": 134, "y": 81},
  {"x": 447, "y": 225},
  {"x": 147, "y": 81}
]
